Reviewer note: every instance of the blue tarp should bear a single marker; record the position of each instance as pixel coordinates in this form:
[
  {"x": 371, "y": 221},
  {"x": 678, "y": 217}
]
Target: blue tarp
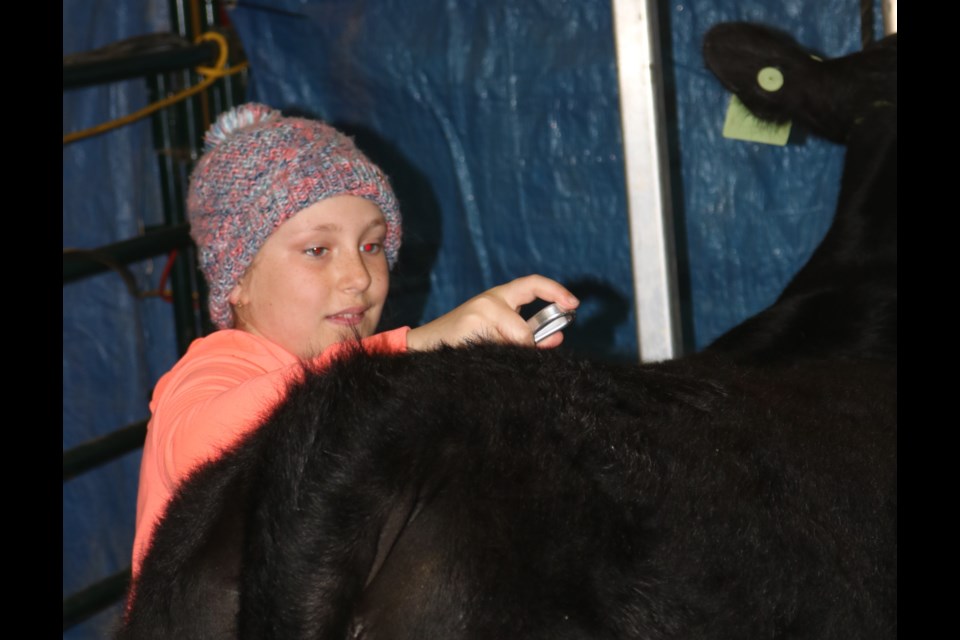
[
  {"x": 114, "y": 346},
  {"x": 499, "y": 125}
]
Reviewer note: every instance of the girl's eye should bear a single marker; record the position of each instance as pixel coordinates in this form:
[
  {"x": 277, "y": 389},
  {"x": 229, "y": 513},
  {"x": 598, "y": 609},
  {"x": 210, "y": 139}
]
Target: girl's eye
[
  {"x": 316, "y": 252},
  {"x": 371, "y": 247}
]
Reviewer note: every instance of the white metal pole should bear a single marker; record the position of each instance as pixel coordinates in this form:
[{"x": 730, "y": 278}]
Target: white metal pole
[
  {"x": 648, "y": 180},
  {"x": 889, "y": 17}
]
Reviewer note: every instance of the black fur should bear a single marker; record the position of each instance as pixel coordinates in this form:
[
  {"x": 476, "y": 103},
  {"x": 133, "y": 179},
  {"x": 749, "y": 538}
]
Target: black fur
[{"x": 748, "y": 491}]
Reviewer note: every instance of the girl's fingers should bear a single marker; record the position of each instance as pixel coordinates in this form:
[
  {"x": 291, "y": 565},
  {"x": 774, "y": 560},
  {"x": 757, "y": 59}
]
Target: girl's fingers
[{"x": 525, "y": 290}]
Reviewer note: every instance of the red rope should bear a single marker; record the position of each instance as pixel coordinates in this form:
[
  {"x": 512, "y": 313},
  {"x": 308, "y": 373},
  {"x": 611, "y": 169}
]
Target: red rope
[{"x": 165, "y": 293}]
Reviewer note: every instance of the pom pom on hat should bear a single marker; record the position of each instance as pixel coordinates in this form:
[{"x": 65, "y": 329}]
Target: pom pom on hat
[
  {"x": 259, "y": 168},
  {"x": 234, "y": 120}
]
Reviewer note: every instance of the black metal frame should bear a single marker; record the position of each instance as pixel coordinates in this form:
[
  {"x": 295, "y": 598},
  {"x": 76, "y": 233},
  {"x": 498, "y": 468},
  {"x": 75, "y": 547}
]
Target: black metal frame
[{"x": 178, "y": 139}]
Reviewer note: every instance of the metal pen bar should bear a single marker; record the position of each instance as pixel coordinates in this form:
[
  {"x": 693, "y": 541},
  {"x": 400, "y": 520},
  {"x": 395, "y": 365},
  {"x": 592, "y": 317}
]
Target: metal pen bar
[
  {"x": 89, "y": 601},
  {"x": 136, "y": 65},
  {"x": 93, "y": 453},
  {"x": 80, "y": 263}
]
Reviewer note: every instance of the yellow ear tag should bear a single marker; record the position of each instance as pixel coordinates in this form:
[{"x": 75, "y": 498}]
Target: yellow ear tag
[
  {"x": 770, "y": 79},
  {"x": 740, "y": 124}
]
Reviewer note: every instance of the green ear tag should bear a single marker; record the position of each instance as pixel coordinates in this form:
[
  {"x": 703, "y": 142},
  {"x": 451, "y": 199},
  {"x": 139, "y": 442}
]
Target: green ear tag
[
  {"x": 770, "y": 79},
  {"x": 743, "y": 125}
]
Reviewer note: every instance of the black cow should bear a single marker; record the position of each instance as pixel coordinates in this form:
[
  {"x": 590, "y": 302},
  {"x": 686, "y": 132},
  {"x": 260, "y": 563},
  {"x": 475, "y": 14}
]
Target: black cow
[
  {"x": 844, "y": 300},
  {"x": 747, "y": 491}
]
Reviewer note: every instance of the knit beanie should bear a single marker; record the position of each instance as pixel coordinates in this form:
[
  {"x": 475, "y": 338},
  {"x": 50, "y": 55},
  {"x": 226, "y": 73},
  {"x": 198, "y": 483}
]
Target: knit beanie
[{"x": 259, "y": 168}]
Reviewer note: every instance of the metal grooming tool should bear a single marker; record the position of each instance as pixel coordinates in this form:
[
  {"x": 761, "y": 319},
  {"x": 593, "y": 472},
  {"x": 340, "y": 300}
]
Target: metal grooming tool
[{"x": 549, "y": 320}]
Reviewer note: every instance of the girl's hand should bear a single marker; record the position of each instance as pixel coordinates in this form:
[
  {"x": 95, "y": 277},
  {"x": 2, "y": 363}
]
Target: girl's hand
[{"x": 494, "y": 316}]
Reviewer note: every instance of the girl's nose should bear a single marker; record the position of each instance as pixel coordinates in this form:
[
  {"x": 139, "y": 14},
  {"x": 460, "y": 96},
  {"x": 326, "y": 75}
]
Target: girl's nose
[{"x": 354, "y": 275}]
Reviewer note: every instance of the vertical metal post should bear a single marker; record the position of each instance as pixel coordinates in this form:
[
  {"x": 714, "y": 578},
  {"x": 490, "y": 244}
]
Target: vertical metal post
[
  {"x": 648, "y": 179},
  {"x": 166, "y": 147},
  {"x": 889, "y": 17},
  {"x": 178, "y": 135}
]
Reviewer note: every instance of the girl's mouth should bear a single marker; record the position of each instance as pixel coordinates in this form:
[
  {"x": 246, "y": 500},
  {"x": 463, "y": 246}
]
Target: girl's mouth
[{"x": 348, "y": 317}]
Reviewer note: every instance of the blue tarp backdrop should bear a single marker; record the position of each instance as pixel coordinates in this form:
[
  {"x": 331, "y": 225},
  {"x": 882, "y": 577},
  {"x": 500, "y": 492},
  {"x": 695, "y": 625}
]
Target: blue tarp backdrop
[
  {"x": 114, "y": 346},
  {"x": 499, "y": 124}
]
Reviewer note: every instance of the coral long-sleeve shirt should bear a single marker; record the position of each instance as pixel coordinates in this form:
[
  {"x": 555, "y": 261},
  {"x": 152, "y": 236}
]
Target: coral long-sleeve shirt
[{"x": 223, "y": 387}]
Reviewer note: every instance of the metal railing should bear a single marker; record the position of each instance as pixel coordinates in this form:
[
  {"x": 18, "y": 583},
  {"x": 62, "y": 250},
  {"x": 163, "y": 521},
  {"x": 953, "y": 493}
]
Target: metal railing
[{"x": 166, "y": 62}]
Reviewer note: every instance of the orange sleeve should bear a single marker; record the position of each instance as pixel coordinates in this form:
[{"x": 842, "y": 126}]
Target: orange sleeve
[
  {"x": 223, "y": 387},
  {"x": 224, "y": 395}
]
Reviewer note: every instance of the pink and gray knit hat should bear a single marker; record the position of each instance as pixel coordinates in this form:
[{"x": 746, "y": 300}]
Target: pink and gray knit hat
[{"x": 259, "y": 168}]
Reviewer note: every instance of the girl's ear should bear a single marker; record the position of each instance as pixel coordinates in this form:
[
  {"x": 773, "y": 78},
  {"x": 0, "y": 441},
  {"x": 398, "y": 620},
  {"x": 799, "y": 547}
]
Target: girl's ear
[{"x": 235, "y": 297}]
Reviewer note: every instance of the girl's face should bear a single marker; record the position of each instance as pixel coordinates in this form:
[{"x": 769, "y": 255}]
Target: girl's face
[{"x": 321, "y": 277}]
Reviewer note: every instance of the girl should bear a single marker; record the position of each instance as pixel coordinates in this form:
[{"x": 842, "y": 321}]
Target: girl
[{"x": 297, "y": 231}]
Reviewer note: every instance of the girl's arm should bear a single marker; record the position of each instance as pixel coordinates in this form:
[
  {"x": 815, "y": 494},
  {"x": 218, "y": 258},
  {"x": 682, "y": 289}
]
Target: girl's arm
[{"x": 494, "y": 315}]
